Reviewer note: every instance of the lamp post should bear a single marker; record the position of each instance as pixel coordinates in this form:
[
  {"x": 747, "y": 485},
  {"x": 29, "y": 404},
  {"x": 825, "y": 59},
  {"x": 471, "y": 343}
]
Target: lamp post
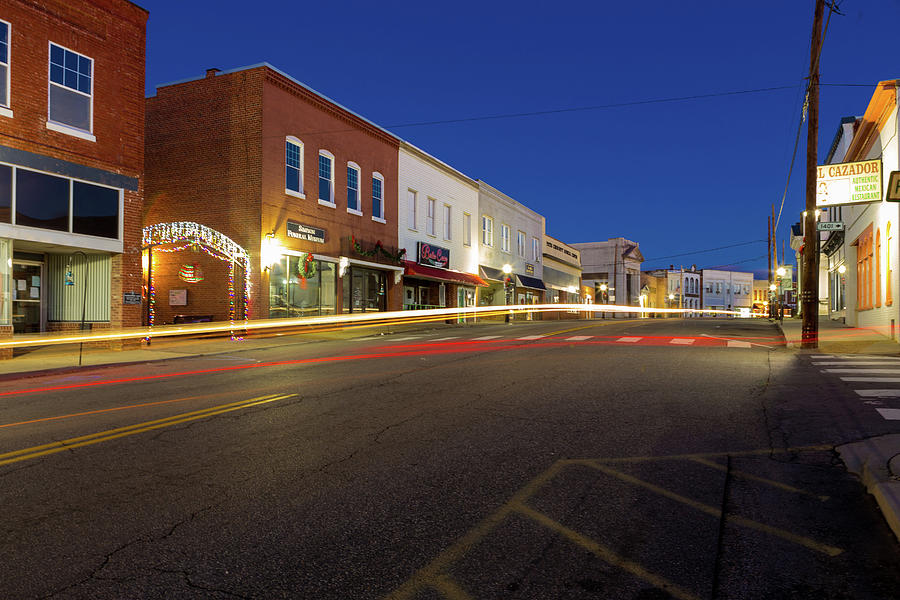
[
  {"x": 507, "y": 287},
  {"x": 70, "y": 280},
  {"x": 781, "y": 272},
  {"x": 671, "y": 299}
]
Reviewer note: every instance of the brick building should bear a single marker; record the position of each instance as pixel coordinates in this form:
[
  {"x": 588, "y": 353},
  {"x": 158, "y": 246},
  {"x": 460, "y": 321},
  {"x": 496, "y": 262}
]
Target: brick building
[
  {"x": 71, "y": 162},
  {"x": 307, "y": 187}
]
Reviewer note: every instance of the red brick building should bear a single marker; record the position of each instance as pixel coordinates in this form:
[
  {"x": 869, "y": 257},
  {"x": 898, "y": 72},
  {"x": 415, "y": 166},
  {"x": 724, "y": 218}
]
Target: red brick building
[
  {"x": 71, "y": 163},
  {"x": 307, "y": 187}
]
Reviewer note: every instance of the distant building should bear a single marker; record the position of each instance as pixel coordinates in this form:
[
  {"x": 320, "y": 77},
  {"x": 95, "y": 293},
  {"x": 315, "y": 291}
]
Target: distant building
[
  {"x": 562, "y": 273},
  {"x": 71, "y": 164},
  {"x": 654, "y": 287},
  {"x": 615, "y": 263},
  {"x": 682, "y": 289},
  {"x": 727, "y": 290}
]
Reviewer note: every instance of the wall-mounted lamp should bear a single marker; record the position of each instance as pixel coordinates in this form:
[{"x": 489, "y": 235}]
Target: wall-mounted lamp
[
  {"x": 343, "y": 263},
  {"x": 270, "y": 251}
]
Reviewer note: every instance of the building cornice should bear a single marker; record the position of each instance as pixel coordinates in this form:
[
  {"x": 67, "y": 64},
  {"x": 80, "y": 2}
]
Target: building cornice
[
  {"x": 881, "y": 106},
  {"x": 438, "y": 163}
]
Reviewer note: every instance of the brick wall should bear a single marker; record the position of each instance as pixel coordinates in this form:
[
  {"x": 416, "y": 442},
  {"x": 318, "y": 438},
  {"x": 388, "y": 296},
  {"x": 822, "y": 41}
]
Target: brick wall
[{"x": 113, "y": 34}]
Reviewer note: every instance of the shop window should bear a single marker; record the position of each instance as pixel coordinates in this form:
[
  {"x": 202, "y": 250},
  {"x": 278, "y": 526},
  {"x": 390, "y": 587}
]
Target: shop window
[
  {"x": 42, "y": 200},
  {"x": 487, "y": 231},
  {"x": 4, "y": 65},
  {"x": 301, "y": 287},
  {"x": 377, "y": 197},
  {"x": 429, "y": 216},
  {"x": 95, "y": 210},
  {"x": 71, "y": 88},
  {"x": 353, "y": 204},
  {"x": 504, "y": 238},
  {"x": 326, "y": 178},
  {"x": 520, "y": 243},
  {"x": 864, "y": 270},
  {"x": 5, "y": 193},
  {"x": 535, "y": 250}
]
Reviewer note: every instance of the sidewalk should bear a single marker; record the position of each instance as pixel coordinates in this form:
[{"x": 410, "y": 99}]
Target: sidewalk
[{"x": 876, "y": 461}]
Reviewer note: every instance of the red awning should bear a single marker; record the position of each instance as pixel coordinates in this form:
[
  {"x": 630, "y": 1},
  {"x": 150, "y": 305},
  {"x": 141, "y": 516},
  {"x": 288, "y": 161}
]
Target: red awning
[{"x": 435, "y": 274}]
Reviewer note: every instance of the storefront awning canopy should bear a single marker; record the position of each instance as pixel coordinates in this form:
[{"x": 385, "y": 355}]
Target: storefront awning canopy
[
  {"x": 491, "y": 273},
  {"x": 435, "y": 274},
  {"x": 530, "y": 282}
]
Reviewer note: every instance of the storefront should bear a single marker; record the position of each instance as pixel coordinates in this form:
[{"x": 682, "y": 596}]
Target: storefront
[
  {"x": 511, "y": 289},
  {"x": 302, "y": 284},
  {"x": 429, "y": 283}
]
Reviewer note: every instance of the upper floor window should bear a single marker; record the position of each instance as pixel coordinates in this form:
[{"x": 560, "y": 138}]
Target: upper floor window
[
  {"x": 411, "y": 209},
  {"x": 520, "y": 243},
  {"x": 467, "y": 229},
  {"x": 429, "y": 217},
  {"x": 326, "y": 177},
  {"x": 4, "y": 63},
  {"x": 504, "y": 238},
  {"x": 447, "y": 223},
  {"x": 293, "y": 166},
  {"x": 487, "y": 231},
  {"x": 353, "y": 187},
  {"x": 71, "y": 88},
  {"x": 377, "y": 196},
  {"x": 535, "y": 250}
]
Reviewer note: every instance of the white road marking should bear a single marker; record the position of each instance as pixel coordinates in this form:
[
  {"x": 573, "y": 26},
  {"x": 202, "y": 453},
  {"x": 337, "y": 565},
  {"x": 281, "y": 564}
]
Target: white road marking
[
  {"x": 578, "y": 338},
  {"x": 486, "y": 337},
  {"x": 749, "y": 344},
  {"x": 532, "y": 337},
  {"x": 857, "y": 357},
  {"x": 682, "y": 341},
  {"x": 884, "y": 371},
  {"x": 629, "y": 340},
  {"x": 873, "y": 379},
  {"x": 891, "y": 414},
  {"x": 739, "y": 344},
  {"x": 861, "y": 363},
  {"x": 883, "y": 393},
  {"x": 406, "y": 339},
  {"x": 444, "y": 339}
]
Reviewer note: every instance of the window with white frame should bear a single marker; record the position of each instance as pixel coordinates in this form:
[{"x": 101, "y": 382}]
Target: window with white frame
[
  {"x": 487, "y": 231},
  {"x": 326, "y": 177},
  {"x": 504, "y": 238},
  {"x": 429, "y": 217},
  {"x": 535, "y": 250},
  {"x": 448, "y": 229},
  {"x": 4, "y": 63},
  {"x": 293, "y": 166},
  {"x": 467, "y": 229},
  {"x": 411, "y": 209},
  {"x": 353, "y": 187},
  {"x": 71, "y": 88},
  {"x": 520, "y": 243},
  {"x": 377, "y": 196}
]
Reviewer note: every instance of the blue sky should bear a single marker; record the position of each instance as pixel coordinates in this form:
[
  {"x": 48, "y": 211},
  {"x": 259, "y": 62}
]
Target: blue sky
[{"x": 677, "y": 177}]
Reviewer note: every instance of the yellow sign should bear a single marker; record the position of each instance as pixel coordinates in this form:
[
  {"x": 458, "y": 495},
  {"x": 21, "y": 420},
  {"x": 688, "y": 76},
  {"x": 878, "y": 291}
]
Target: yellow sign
[{"x": 848, "y": 183}]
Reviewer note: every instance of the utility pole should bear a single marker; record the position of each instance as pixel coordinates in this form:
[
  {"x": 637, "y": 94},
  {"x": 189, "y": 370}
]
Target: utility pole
[{"x": 809, "y": 299}]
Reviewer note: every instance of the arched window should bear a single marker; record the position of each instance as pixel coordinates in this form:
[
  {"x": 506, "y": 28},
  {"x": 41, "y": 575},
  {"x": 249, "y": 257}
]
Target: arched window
[
  {"x": 293, "y": 166},
  {"x": 326, "y": 178},
  {"x": 377, "y": 197}
]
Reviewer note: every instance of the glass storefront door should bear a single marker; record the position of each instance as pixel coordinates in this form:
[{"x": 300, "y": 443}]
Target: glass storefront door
[
  {"x": 365, "y": 290},
  {"x": 27, "y": 309}
]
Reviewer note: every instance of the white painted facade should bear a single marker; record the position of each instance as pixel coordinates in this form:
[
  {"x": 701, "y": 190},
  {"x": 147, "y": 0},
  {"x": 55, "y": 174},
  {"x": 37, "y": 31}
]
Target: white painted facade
[
  {"x": 423, "y": 179},
  {"x": 727, "y": 290}
]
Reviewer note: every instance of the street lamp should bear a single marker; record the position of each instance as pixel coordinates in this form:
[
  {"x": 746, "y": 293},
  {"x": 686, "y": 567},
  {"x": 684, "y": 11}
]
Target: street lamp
[
  {"x": 671, "y": 299},
  {"x": 507, "y": 287},
  {"x": 781, "y": 272},
  {"x": 604, "y": 297}
]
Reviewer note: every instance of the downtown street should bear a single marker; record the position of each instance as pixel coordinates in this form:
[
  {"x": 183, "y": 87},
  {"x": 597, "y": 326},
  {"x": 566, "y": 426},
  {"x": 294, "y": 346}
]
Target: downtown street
[{"x": 639, "y": 459}]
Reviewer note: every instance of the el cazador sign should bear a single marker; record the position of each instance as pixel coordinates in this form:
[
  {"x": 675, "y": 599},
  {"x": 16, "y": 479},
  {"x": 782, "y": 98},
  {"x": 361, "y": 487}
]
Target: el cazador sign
[{"x": 848, "y": 183}]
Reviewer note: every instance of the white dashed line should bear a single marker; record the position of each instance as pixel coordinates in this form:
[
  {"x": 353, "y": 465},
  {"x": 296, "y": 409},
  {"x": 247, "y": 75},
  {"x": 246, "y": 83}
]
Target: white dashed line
[
  {"x": 629, "y": 340},
  {"x": 532, "y": 337},
  {"x": 883, "y": 393},
  {"x": 891, "y": 414},
  {"x": 873, "y": 379},
  {"x": 486, "y": 337},
  {"x": 873, "y": 371},
  {"x": 682, "y": 341},
  {"x": 444, "y": 339},
  {"x": 738, "y": 344},
  {"x": 405, "y": 339},
  {"x": 864, "y": 363},
  {"x": 578, "y": 338}
]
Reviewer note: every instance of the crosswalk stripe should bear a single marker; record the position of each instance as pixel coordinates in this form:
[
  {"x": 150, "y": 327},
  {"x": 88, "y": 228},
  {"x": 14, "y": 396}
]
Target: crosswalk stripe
[
  {"x": 852, "y": 357},
  {"x": 531, "y": 337},
  {"x": 883, "y": 393},
  {"x": 884, "y": 371},
  {"x": 861, "y": 363},
  {"x": 873, "y": 379},
  {"x": 890, "y": 414},
  {"x": 444, "y": 339},
  {"x": 738, "y": 344},
  {"x": 578, "y": 338},
  {"x": 682, "y": 341},
  {"x": 406, "y": 339},
  {"x": 486, "y": 337},
  {"x": 629, "y": 340}
]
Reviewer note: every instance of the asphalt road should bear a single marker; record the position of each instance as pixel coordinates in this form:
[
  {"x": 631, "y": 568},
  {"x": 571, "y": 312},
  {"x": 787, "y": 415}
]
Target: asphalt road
[{"x": 635, "y": 459}]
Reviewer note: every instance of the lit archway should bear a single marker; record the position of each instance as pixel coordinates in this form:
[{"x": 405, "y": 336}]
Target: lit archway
[{"x": 183, "y": 235}]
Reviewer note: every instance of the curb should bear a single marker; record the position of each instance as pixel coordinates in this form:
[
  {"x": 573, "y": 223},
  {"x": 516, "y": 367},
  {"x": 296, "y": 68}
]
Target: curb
[{"x": 876, "y": 461}]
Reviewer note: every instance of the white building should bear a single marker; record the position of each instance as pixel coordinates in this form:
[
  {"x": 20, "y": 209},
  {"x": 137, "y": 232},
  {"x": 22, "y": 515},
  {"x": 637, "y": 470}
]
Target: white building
[
  {"x": 436, "y": 225},
  {"x": 562, "y": 272},
  {"x": 727, "y": 290},
  {"x": 511, "y": 234},
  {"x": 615, "y": 263}
]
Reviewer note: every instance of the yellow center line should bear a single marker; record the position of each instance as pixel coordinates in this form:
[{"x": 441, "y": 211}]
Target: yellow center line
[
  {"x": 606, "y": 554},
  {"x": 715, "y": 512},
  {"x": 450, "y": 589},
  {"x": 111, "y": 434}
]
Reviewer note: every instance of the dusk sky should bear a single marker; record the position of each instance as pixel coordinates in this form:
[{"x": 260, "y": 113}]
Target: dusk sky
[{"x": 677, "y": 177}]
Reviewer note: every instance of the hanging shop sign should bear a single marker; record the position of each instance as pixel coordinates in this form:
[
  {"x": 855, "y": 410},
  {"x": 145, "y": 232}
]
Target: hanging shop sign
[
  {"x": 848, "y": 183},
  {"x": 433, "y": 256},
  {"x": 307, "y": 233},
  {"x": 893, "y": 190},
  {"x": 529, "y": 269}
]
